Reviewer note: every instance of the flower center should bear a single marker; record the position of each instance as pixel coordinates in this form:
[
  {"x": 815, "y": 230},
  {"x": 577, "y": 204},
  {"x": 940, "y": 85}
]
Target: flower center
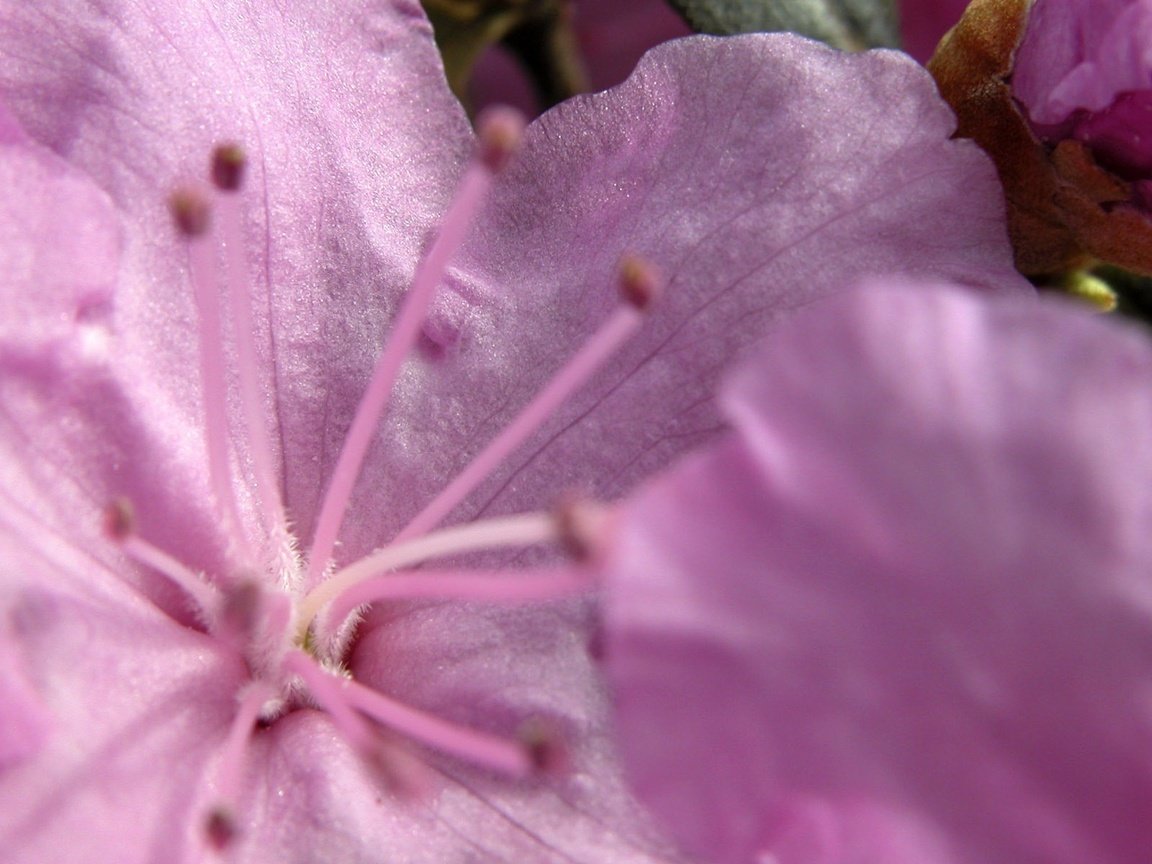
[{"x": 292, "y": 619}]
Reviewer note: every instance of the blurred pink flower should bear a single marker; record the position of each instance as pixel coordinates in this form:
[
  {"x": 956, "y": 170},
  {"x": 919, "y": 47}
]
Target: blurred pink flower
[
  {"x": 611, "y": 36},
  {"x": 901, "y": 611},
  {"x": 136, "y": 656},
  {"x": 924, "y": 22},
  {"x": 1084, "y": 71}
]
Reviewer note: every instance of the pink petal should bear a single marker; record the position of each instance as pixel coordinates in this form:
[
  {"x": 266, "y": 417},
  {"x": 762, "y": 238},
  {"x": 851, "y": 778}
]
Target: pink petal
[
  {"x": 354, "y": 144},
  {"x": 138, "y": 708},
  {"x": 756, "y": 174},
  {"x": 24, "y": 720},
  {"x": 1084, "y": 70},
  {"x": 1081, "y": 54},
  {"x": 59, "y": 247},
  {"x": 915, "y": 575}
]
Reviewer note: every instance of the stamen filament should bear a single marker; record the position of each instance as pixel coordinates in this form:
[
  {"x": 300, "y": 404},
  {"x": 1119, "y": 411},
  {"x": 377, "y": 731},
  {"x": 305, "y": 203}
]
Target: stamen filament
[
  {"x": 201, "y": 260},
  {"x": 470, "y": 195},
  {"x": 580, "y": 367},
  {"x": 331, "y": 693},
  {"x": 244, "y": 328},
  {"x": 492, "y": 751},
  {"x": 221, "y": 822},
  {"x": 522, "y": 530},
  {"x": 489, "y": 586},
  {"x": 203, "y": 593}
]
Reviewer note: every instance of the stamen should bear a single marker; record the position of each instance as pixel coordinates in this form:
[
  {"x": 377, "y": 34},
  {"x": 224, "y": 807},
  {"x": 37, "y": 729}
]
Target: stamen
[
  {"x": 523, "y": 530},
  {"x": 470, "y": 195},
  {"x": 220, "y": 825},
  {"x": 190, "y": 212},
  {"x": 489, "y": 586},
  {"x": 331, "y": 694},
  {"x": 499, "y": 754},
  {"x": 120, "y": 525},
  {"x": 229, "y": 163},
  {"x": 638, "y": 287}
]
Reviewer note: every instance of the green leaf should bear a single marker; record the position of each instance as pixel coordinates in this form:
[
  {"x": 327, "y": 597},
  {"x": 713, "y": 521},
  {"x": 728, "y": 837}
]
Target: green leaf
[{"x": 852, "y": 25}]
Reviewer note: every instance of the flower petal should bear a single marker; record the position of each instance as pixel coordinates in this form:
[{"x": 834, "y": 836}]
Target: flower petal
[
  {"x": 915, "y": 575},
  {"x": 138, "y": 707},
  {"x": 354, "y": 143},
  {"x": 495, "y": 669},
  {"x": 1081, "y": 54},
  {"x": 756, "y": 173}
]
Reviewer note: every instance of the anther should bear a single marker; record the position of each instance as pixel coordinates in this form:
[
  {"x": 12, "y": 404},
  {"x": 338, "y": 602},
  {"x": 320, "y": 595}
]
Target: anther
[
  {"x": 639, "y": 281},
  {"x": 500, "y": 130},
  {"x": 240, "y": 611},
  {"x": 229, "y": 162},
  {"x": 191, "y": 212},
  {"x": 119, "y": 520},
  {"x": 582, "y": 527},
  {"x": 220, "y": 829},
  {"x": 547, "y": 750}
]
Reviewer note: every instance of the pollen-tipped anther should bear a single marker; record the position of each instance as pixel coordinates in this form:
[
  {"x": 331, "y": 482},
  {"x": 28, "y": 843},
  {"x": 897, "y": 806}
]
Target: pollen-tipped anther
[
  {"x": 220, "y": 829},
  {"x": 639, "y": 281},
  {"x": 547, "y": 750},
  {"x": 240, "y": 610},
  {"x": 191, "y": 212},
  {"x": 119, "y": 520},
  {"x": 581, "y": 526},
  {"x": 229, "y": 163},
  {"x": 500, "y": 130}
]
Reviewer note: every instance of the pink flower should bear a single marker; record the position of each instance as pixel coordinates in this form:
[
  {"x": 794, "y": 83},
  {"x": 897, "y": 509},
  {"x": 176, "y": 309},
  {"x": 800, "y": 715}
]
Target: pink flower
[
  {"x": 1084, "y": 71},
  {"x": 924, "y": 22},
  {"x": 166, "y": 676},
  {"x": 610, "y": 38},
  {"x": 900, "y": 612}
]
